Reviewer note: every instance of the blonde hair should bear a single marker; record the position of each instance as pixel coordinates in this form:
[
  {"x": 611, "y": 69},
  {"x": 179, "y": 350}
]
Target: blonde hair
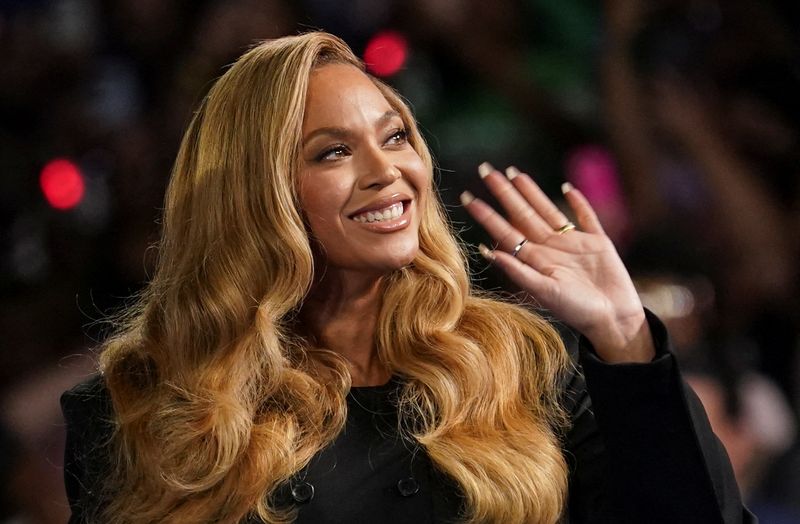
[{"x": 218, "y": 401}]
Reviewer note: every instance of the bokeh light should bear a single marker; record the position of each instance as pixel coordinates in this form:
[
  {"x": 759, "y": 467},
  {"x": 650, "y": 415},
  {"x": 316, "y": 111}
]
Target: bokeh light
[
  {"x": 593, "y": 170},
  {"x": 386, "y": 53},
  {"x": 62, "y": 184}
]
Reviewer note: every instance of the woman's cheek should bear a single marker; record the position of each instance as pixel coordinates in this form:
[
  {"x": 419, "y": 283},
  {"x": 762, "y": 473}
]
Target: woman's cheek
[{"x": 416, "y": 172}]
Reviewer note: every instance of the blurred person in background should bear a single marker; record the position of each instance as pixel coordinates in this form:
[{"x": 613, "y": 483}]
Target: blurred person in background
[
  {"x": 755, "y": 424},
  {"x": 707, "y": 141},
  {"x": 706, "y": 126},
  {"x": 747, "y": 410}
]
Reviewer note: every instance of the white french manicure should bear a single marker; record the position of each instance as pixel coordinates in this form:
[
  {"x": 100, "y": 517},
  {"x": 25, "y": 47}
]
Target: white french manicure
[
  {"x": 512, "y": 172},
  {"x": 566, "y": 187},
  {"x": 466, "y": 197},
  {"x": 484, "y": 169},
  {"x": 487, "y": 253}
]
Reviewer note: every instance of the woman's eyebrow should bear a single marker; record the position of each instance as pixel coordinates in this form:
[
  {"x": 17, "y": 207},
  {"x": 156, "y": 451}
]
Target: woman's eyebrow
[
  {"x": 342, "y": 132},
  {"x": 336, "y": 132},
  {"x": 388, "y": 115}
]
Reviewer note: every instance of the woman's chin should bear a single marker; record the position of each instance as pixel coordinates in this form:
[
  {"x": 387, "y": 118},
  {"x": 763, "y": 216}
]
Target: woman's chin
[
  {"x": 374, "y": 260},
  {"x": 391, "y": 263},
  {"x": 404, "y": 258}
]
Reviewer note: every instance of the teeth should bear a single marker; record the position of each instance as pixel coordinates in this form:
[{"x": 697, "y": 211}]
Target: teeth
[{"x": 393, "y": 211}]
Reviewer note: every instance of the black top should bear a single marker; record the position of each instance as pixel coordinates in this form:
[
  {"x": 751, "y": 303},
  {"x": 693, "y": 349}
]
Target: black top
[{"x": 640, "y": 450}]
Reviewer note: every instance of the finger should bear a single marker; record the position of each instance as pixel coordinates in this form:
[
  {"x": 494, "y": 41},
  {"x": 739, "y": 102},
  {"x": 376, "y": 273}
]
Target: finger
[
  {"x": 531, "y": 191},
  {"x": 520, "y": 212},
  {"x": 504, "y": 234},
  {"x": 541, "y": 257},
  {"x": 526, "y": 277},
  {"x": 584, "y": 213}
]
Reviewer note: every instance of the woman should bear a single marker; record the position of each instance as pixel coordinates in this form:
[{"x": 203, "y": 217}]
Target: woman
[{"x": 310, "y": 347}]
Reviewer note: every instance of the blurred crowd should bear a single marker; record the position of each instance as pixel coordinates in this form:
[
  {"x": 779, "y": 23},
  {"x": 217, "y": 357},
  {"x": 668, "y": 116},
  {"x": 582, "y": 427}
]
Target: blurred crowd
[{"x": 680, "y": 119}]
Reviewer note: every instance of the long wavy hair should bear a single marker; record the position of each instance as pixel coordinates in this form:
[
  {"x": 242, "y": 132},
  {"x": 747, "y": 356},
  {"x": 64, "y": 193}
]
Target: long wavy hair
[{"x": 218, "y": 400}]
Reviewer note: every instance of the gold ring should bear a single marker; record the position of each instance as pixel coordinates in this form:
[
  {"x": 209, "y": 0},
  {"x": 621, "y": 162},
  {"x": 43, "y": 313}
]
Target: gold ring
[
  {"x": 569, "y": 226},
  {"x": 515, "y": 251}
]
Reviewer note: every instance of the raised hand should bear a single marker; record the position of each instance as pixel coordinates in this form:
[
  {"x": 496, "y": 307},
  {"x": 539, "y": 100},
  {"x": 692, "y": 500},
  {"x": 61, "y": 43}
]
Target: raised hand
[{"x": 575, "y": 273}]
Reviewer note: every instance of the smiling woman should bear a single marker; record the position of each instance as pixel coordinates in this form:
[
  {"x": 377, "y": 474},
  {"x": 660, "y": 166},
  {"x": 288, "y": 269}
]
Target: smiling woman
[
  {"x": 310, "y": 348},
  {"x": 362, "y": 184}
]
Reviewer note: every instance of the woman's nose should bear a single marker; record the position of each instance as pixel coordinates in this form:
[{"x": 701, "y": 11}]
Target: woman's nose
[{"x": 378, "y": 169}]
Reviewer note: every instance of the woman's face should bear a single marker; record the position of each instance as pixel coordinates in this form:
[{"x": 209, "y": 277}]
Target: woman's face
[{"x": 362, "y": 185}]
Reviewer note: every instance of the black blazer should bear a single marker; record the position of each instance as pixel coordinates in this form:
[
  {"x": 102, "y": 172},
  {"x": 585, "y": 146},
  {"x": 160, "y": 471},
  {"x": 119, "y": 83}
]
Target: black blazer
[{"x": 640, "y": 450}]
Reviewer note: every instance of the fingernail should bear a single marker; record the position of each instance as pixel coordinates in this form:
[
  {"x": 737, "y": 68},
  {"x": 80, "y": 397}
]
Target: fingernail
[
  {"x": 487, "y": 253},
  {"x": 484, "y": 169},
  {"x": 466, "y": 197},
  {"x": 566, "y": 187},
  {"x": 512, "y": 172}
]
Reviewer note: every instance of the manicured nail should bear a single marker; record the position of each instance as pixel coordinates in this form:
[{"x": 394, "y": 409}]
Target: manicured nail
[
  {"x": 484, "y": 169},
  {"x": 487, "y": 253},
  {"x": 466, "y": 197},
  {"x": 512, "y": 172},
  {"x": 566, "y": 187}
]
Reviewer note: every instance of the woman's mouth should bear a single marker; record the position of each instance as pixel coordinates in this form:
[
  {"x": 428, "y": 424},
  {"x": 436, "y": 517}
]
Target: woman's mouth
[
  {"x": 390, "y": 218},
  {"x": 381, "y": 215}
]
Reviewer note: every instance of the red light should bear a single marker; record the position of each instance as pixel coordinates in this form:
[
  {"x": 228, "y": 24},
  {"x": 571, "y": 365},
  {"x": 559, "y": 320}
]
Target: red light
[
  {"x": 386, "y": 53},
  {"x": 62, "y": 184}
]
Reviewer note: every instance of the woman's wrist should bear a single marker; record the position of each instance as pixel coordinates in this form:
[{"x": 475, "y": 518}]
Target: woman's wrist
[{"x": 627, "y": 341}]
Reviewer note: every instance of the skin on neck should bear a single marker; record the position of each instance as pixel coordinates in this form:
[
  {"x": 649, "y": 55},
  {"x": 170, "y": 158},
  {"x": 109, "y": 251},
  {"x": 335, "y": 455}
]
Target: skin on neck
[{"x": 341, "y": 312}]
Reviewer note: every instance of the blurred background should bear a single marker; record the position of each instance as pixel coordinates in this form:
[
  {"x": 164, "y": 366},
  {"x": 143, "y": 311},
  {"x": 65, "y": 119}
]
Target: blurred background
[{"x": 680, "y": 119}]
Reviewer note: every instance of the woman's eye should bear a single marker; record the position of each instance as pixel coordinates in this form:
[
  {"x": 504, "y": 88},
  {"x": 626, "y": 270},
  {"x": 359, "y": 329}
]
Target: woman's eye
[
  {"x": 332, "y": 153},
  {"x": 398, "y": 137}
]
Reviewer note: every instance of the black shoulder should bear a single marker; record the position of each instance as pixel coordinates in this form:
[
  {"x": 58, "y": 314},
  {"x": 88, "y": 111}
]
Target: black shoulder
[
  {"x": 89, "y": 416},
  {"x": 87, "y": 408},
  {"x": 91, "y": 390},
  {"x": 572, "y": 385}
]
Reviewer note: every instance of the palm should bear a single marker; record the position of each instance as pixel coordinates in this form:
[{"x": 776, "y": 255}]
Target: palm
[
  {"x": 584, "y": 280},
  {"x": 577, "y": 275}
]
